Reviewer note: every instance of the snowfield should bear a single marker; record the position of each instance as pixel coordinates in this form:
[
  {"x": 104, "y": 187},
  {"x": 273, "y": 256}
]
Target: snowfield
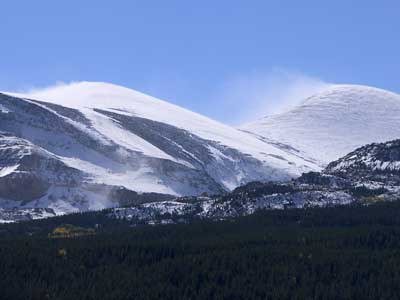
[
  {"x": 77, "y": 142},
  {"x": 332, "y": 123},
  {"x": 86, "y": 96}
]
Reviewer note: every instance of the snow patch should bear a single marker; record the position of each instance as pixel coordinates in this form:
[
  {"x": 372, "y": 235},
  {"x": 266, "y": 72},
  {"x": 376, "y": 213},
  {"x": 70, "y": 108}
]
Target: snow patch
[{"x": 8, "y": 170}]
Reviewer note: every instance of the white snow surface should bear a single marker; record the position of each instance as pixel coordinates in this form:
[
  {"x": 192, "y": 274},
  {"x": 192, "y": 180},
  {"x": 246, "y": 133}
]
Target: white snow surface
[
  {"x": 330, "y": 124},
  {"x": 323, "y": 127},
  {"x": 88, "y": 96},
  {"x": 85, "y": 96},
  {"x": 4, "y": 171}
]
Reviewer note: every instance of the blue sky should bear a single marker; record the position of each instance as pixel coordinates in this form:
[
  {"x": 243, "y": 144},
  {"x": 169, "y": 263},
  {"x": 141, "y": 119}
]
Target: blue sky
[{"x": 231, "y": 60}]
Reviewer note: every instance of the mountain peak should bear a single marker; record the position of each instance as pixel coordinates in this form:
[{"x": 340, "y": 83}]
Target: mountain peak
[
  {"x": 87, "y": 94},
  {"x": 351, "y": 94},
  {"x": 335, "y": 121},
  {"x": 115, "y": 136}
]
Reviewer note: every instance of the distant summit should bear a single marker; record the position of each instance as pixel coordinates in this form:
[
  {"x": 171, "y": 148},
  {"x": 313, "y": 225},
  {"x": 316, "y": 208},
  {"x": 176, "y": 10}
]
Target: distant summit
[{"x": 334, "y": 122}]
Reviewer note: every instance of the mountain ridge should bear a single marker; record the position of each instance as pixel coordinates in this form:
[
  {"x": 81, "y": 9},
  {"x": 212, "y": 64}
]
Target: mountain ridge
[
  {"x": 116, "y": 137},
  {"x": 367, "y": 175},
  {"x": 90, "y": 146}
]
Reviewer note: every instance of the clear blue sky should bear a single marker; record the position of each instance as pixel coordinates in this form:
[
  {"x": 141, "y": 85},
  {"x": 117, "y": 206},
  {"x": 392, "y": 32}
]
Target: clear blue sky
[{"x": 188, "y": 52}]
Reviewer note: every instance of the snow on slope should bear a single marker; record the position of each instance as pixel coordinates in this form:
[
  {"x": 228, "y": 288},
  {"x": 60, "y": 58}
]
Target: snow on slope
[
  {"x": 85, "y": 96},
  {"x": 120, "y": 137},
  {"x": 334, "y": 122},
  {"x": 372, "y": 159}
]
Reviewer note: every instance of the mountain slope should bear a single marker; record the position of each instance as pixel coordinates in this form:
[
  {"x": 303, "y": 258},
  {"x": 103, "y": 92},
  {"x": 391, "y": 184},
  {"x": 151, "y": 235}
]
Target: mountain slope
[
  {"x": 378, "y": 162},
  {"x": 110, "y": 136},
  {"x": 369, "y": 174},
  {"x": 334, "y": 122}
]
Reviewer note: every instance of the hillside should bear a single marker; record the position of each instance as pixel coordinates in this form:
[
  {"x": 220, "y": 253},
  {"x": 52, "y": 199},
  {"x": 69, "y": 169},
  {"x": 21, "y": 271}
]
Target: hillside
[
  {"x": 68, "y": 148},
  {"x": 346, "y": 252},
  {"x": 377, "y": 162},
  {"x": 367, "y": 175},
  {"x": 330, "y": 124}
]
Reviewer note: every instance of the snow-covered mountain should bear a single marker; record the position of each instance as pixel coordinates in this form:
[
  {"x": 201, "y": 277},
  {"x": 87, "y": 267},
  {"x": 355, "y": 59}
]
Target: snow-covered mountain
[
  {"x": 369, "y": 174},
  {"x": 379, "y": 162},
  {"x": 330, "y": 124},
  {"x": 69, "y": 147}
]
